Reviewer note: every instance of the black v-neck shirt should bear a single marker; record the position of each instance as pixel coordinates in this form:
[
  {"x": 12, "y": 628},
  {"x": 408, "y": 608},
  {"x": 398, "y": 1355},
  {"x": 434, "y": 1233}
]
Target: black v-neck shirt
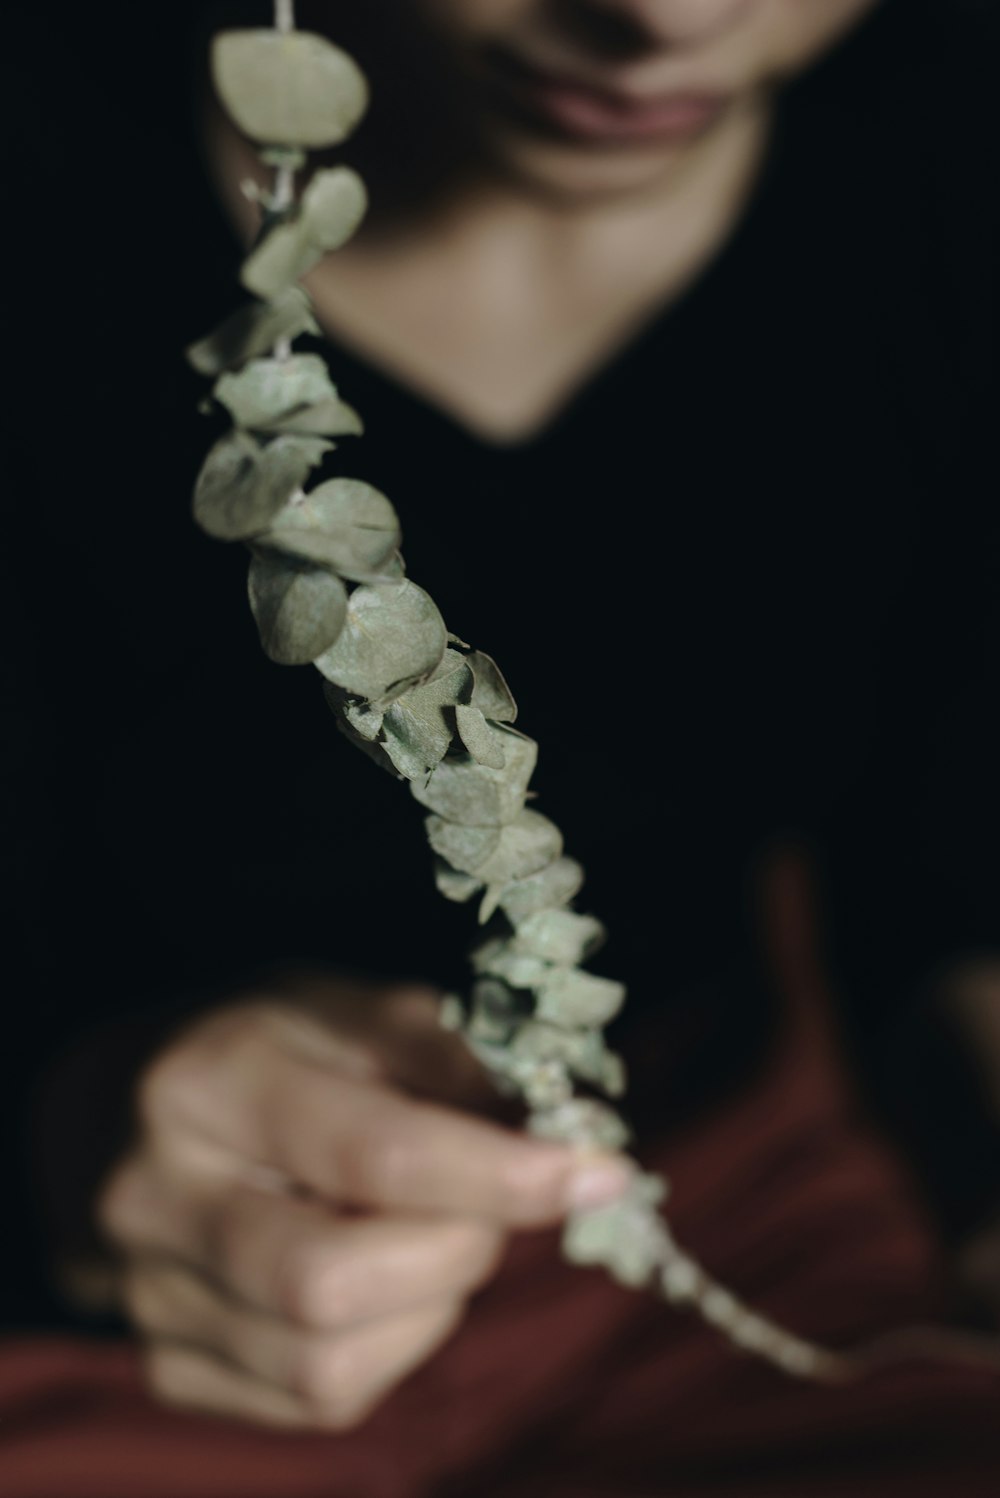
[{"x": 744, "y": 586}]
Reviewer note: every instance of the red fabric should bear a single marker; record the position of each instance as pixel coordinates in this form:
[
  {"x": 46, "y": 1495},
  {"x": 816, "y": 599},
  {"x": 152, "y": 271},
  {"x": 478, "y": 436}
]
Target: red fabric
[{"x": 561, "y": 1385}]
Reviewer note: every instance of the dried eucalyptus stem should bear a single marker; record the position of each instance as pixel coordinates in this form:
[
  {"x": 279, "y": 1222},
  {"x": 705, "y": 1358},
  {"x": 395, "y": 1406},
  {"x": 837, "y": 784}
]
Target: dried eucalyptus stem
[{"x": 327, "y": 586}]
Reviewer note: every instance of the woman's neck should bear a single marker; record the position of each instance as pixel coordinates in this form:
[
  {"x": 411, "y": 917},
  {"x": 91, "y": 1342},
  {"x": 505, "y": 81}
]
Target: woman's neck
[{"x": 498, "y": 304}]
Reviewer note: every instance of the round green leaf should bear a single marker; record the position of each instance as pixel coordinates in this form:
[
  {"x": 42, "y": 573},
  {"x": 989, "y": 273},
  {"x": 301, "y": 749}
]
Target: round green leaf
[
  {"x": 474, "y": 795},
  {"x": 559, "y": 936},
  {"x": 418, "y": 727},
  {"x": 453, "y": 884},
  {"x": 497, "y": 854},
  {"x": 571, "y": 997},
  {"x": 344, "y": 523},
  {"x": 331, "y": 209},
  {"x": 299, "y": 610},
  {"x": 497, "y": 958},
  {"x": 242, "y": 486},
  {"x": 394, "y": 637},
  {"x": 555, "y": 885},
  {"x": 492, "y": 695},
  {"x": 582, "y": 1121},
  {"x": 253, "y": 330},
  {"x": 483, "y": 742},
  {"x": 291, "y": 89},
  {"x": 270, "y": 394}
]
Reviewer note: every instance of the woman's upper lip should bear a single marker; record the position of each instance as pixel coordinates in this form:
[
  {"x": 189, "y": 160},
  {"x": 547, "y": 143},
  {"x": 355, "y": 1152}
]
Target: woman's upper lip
[{"x": 624, "y": 99}]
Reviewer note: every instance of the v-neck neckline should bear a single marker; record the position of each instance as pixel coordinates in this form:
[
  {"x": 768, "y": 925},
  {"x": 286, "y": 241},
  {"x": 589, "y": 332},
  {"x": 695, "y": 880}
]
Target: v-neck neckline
[{"x": 346, "y": 357}]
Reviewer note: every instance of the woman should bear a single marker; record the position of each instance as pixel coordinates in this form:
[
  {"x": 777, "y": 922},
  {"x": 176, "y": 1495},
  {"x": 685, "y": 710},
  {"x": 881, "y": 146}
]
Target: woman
[{"x": 667, "y": 328}]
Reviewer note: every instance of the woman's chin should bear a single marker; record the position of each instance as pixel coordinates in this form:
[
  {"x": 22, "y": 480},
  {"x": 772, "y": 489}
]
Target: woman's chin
[{"x": 577, "y": 172}]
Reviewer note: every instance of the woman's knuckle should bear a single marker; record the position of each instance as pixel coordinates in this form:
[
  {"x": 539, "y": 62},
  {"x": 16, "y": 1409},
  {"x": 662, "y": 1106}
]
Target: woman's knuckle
[
  {"x": 164, "y": 1376},
  {"x": 482, "y": 1250},
  {"x": 330, "y": 1384},
  {"x": 308, "y": 1289},
  {"x": 171, "y": 1087},
  {"x": 141, "y": 1300},
  {"x": 118, "y": 1207}
]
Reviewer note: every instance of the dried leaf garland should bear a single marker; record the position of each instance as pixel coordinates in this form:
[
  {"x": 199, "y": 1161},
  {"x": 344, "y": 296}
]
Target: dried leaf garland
[{"x": 421, "y": 703}]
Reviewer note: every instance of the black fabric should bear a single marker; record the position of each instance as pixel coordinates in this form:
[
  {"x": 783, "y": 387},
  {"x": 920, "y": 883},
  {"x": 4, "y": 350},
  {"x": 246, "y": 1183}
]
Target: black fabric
[{"x": 744, "y": 586}]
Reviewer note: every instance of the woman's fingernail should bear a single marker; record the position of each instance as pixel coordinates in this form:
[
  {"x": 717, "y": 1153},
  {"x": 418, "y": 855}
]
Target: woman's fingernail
[{"x": 597, "y": 1183}]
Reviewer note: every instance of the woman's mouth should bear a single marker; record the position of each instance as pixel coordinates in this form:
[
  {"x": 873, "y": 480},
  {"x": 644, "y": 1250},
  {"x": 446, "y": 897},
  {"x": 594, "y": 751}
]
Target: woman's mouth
[{"x": 596, "y": 115}]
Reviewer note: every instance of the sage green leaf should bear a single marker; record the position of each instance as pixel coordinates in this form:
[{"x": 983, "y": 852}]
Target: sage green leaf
[
  {"x": 330, "y": 211},
  {"x": 626, "y": 1236},
  {"x": 327, "y": 418},
  {"x": 482, "y": 742},
  {"x": 253, "y": 330},
  {"x": 364, "y": 719},
  {"x": 344, "y": 523},
  {"x": 299, "y": 609},
  {"x": 394, "y": 637},
  {"x": 559, "y": 936},
  {"x": 374, "y": 751},
  {"x": 494, "y": 1007},
  {"x": 545, "y": 1085},
  {"x": 267, "y": 393},
  {"x": 526, "y": 845},
  {"x": 242, "y": 485},
  {"x": 497, "y": 958},
  {"x": 571, "y": 997},
  {"x": 582, "y": 1121},
  {"x": 464, "y": 848},
  {"x": 492, "y": 695},
  {"x": 288, "y": 88},
  {"x": 497, "y": 854},
  {"x": 453, "y": 884},
  {"x": 474, "y": 795},
  {"x": 552, "y": 887},
  {"x": 584, "y": 1051},
  {"x": 418, "y": 726}
]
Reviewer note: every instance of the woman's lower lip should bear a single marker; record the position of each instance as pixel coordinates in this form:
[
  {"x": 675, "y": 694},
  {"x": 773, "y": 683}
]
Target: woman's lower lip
[{"x": 592, "y": 116}]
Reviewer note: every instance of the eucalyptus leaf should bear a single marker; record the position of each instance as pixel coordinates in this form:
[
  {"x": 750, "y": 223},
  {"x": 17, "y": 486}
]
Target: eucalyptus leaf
[
  {"x": 482, "y": 742},
  {"x": 364, "y": 719},
  {"x": 497, "y": 854},
  {"x": 460, "y": 790},
  {"x": 253, "y": 330},
  {"x": 331, "y": 209},
  {"x": 464, "y": 848},
  {"x": 559, "y": 936},
  {"x": 288, "y": 88},
  {"x": 525, "y": 846},
  {"x": 344, "y": 523},
  {"x": 584, "y": 1051},
  {"x": 394, "y": 637},
  {"x": 541, "y": 1041},
  {"x": 494, "y": 1008},
  {"x": 269, "y": 393},
  {"x": 582, "y": 1121},
  {"x": 492, "y": 695},
  {"x": 374, "y": 751},
  {"x": 418, "y": 726},
  {"x": 242, "y": 485},
  {"x": 498, "y": 959},
  {"x": 552, "y": 887},
  {"x": 299, "y": 609},
  {"x": 571, "y": 997},
  {"x": 453, "y": 884},
  {"x": 626, "y": 1236}
]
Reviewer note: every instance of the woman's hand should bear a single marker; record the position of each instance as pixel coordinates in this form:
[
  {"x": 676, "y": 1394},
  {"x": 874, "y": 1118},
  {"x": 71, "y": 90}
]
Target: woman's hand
[{"x": 309, "y": 1204}]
